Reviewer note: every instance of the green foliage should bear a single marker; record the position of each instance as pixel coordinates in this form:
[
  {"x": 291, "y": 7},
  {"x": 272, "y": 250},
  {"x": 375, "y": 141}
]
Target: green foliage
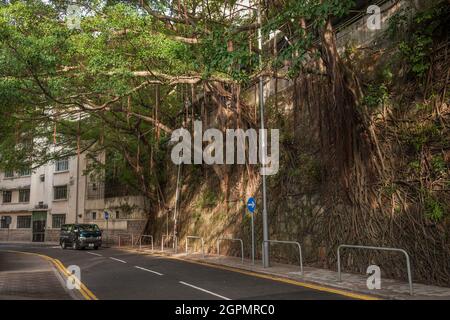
[
  {"x": 434, "y": 210},
  {"x": 415, "y": 165},
  {"x": 419, "y": 33},
  {"x": 207, "y": 199},
  {"x": 316, "y": 13},
  {"x": 421, "y": 134},
  {"x": 397, "y": 24},
  {"x": 438, "y": 164},
  {"x": 417, "y": 54},
  {"x": 376, "y": 95},
  {"x": 238, "y": 63},
  {"x": 390, "y": 189}
]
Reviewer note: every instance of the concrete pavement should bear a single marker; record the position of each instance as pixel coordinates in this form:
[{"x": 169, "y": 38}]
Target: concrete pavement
[{"x": 26, "y": 276}]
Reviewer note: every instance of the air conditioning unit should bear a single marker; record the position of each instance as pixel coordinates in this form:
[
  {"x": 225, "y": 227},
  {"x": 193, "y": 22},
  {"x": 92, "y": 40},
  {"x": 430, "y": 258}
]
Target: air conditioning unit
[{"x": 41, "y": 205}]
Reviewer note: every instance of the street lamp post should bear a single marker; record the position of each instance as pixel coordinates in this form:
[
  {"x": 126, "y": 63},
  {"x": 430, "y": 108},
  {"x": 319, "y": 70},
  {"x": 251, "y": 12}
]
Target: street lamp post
[{"x": 263, "y": 146}]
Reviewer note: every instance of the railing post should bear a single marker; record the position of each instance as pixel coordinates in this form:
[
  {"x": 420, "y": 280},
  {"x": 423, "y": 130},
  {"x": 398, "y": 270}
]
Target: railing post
[
  {"x": 339, "y": 263},
  {"x": 242, "y": 252},
  {"x": 289, "y": 242},
  {"x": 262, "y": 252},
  {"x": 408, "y": 264},
  {"x": 203, "y": 249}
]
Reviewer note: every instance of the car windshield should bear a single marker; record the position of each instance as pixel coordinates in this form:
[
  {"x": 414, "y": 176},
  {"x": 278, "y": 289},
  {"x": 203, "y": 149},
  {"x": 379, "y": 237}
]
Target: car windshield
[{"x": 88, "y": 227}]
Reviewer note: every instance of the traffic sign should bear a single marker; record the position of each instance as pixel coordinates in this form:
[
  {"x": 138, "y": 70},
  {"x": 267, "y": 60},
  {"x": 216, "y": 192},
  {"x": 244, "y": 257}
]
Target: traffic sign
[
  {"x": 251, "y": 205},
  {"x": 106, "y": 215}
]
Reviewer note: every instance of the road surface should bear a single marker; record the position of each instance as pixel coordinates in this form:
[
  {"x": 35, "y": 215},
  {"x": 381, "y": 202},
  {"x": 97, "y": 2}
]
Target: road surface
[{"x": 110, "y": 273}]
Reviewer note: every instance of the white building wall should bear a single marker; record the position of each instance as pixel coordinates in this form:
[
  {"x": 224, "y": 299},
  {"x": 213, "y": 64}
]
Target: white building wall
[{"x": 42, "y": 199}]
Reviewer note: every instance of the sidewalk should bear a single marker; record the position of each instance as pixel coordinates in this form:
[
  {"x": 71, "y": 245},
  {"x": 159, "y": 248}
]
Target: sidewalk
[
  {"x": 26, "y": 276},
  {"x": 390, "y": 289}
]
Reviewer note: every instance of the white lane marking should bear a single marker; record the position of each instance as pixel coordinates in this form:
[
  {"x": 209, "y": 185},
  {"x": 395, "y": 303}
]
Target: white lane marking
[
  {"x": 148, "y": 270},
  {"x": 117, "y": 260},
  {"x": 95, "y": 254},
  {"x": 212, "y": 293}
]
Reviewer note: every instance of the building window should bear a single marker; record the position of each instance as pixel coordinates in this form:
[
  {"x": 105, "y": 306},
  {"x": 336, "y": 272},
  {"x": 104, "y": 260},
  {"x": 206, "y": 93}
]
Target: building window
[
  {"x": 62, "y": 165},
  {"x": 58, "y": 220},
  {"x": 7, "y": 196},
  {"x": 3, "y": 222},
  {"x": 25, "y": 173},
  {"x": 24, "y": 195},
  {"x": 94, "y": 215},
  {"x": 60, "y": 193},
  {"x": 23, "y": 222},
  {"x": 9, "y": 174}
]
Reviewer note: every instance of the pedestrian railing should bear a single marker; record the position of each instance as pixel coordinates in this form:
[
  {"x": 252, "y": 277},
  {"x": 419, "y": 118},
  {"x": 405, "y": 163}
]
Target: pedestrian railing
[
  {"x": 125, "y": 235},
  {"x": 143, "y": 236},
  {"x": 408, "y": 264},
  {"x": 109, "y": 239},
  {"x": 286, "y": 242},
  {"x": 195, "y": 237},
  {"x": 229, "y": 239},
  {"x": 175, "y": 241}
]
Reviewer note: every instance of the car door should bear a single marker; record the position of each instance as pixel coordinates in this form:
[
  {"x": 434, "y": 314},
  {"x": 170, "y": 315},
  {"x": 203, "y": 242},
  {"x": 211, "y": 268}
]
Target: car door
[{"x": 74, "y": 234}]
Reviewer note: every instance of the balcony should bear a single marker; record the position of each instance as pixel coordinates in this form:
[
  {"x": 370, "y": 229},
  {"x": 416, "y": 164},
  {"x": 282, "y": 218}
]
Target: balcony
[{"x": 100, "y": 191}]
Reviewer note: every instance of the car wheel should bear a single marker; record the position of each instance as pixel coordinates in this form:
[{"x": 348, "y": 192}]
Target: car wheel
[
  {"x": 63, "y": 245},
  {"x": 75, "y": 245}
]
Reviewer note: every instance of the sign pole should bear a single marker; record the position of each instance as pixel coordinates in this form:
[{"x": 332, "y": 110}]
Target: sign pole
[
  {"x": 107, "y": 227},
  {"x": 253, "y": 240},
  {"x": 263, "y": 146},
  {"x": 251, "y": 206}
]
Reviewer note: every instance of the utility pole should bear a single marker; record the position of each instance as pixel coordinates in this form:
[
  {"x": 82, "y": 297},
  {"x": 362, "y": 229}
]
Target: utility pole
[
  {"x": 78, "y": 169},
  {"x": 175, "y": 215},
  {"x": 263, "y": 144}
]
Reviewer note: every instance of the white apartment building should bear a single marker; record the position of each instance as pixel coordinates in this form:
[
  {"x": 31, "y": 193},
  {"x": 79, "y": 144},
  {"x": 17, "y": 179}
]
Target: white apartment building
[{"x": 34, "y": 204}]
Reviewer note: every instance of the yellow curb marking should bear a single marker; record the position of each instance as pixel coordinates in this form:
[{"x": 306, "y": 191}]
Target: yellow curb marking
[
  {"x": 275, "y": 278},
  {"x": 85, "y": 292}
]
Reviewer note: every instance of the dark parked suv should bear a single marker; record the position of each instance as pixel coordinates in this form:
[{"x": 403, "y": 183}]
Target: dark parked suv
[{"x": 80, "y": 236}]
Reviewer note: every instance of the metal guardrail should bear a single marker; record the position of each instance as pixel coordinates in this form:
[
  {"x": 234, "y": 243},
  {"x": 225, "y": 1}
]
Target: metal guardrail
[
  {"x": 286, "y": 242},
  {"x": 130, "y": 235},
  {"x": 145, "y": 236},
  {"x": 230, "y": 239},
  {"x": 175, "y": 242},
  {"x": 195, "y": 237},
  {"x": 408, "y": 264}
]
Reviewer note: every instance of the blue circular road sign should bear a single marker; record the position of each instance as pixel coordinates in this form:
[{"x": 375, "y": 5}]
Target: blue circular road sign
[
  {"x": 251, "y": 204},
  {"x": 106, "y": 215}
]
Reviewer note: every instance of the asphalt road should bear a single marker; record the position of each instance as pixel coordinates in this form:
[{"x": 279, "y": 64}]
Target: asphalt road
[{"x": 114, "y": 274}]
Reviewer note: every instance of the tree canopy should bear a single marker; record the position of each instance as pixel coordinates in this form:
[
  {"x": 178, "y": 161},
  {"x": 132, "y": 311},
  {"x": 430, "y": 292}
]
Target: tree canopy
[{"x": 132, "y": 68}]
